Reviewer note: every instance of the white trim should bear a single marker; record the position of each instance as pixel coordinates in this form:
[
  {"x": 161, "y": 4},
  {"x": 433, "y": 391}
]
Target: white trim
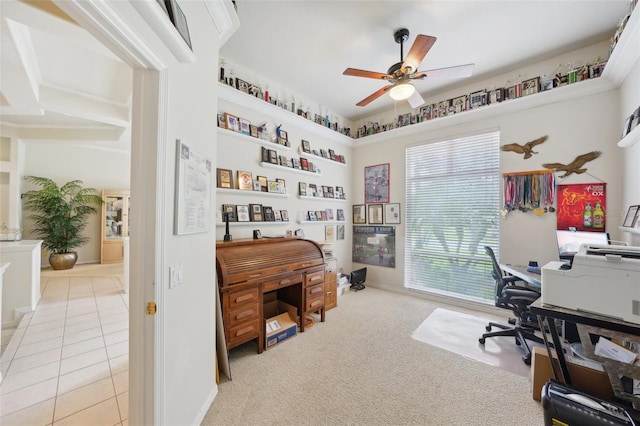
[{"x": 224, "y": 17}]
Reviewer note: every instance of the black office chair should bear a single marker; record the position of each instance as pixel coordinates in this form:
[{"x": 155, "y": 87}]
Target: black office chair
[{"x": 517, "y": 298}]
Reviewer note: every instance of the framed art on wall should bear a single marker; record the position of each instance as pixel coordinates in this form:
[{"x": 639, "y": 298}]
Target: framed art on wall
[
  {"x": 375, "y": 214},
  {"x": 192, "y": 191},
  {"x": 178, "y": 20},
  {"x": 392, "y": 213},
  {"x": 376, "y": 183},
  {"x": 359, "y": 213},
  {"x": 631, "y": 218}
]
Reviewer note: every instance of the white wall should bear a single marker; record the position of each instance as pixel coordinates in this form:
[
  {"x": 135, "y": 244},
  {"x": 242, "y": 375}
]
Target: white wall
[
  {"x": 96, "y": 168},
  {"x": 574, "y": 127}
]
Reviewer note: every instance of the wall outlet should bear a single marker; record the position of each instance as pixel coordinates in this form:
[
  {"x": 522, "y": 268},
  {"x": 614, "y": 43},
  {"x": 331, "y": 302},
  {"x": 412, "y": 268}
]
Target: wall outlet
[{"x": 175, "y": 275}]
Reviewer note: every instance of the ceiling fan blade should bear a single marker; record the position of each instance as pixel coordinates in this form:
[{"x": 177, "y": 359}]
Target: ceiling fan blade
[
  {"x": 367, "y": 74},
  {"x": 459, "y": 71},
  {"x": 415, "y": 100},
  {"x": 418, "y": 51},
  {"x": 375, "y": 95}
]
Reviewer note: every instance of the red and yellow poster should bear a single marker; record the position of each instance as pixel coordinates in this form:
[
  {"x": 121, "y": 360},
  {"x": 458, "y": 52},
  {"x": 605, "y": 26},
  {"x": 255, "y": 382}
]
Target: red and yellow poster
[{"x": 582, "y": 206}]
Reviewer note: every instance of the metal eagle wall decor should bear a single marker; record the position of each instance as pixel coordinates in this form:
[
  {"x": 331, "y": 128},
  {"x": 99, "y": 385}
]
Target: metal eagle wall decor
[
  {"x": 576, "y": 166},
  {"x": 526, "y": 149}
]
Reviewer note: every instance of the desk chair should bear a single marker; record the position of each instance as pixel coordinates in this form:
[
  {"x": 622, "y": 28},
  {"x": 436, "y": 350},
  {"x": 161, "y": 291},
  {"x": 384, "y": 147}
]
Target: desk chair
[{"x": 517, "y": 298}]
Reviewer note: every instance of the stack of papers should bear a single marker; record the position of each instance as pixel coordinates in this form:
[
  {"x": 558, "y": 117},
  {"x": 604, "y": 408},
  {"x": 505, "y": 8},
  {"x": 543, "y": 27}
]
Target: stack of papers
[{"x": 607, "y": 349}]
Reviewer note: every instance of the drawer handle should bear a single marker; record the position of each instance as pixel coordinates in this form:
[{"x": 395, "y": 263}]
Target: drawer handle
[
  {"x": 243, "y": 298},
  {"x": 315, "y": 277},
  {"x": 254, "y": 275},
  {"x": 245, "y": 330},
  {"x": 283, "y": 282},
  {"x": 315, "y": 303},
  {"x": 306, "y": 265},
  {"x": 244, "y": 314},
  {"x": 316, "y": 290}
]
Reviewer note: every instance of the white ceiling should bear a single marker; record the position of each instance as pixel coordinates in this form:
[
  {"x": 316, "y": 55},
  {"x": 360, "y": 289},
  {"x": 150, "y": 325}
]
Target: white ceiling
[{"x": 55, "y": 75}]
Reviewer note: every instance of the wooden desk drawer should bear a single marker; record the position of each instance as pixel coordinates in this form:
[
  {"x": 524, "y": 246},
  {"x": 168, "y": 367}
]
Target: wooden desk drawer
[
  {"x": 244, "y": 313},
  {"x": 244, "y": 332},
  {"x": 314, "y": 298},
  {"x": 281, "y": 282},
  {"x": 242, "y": 297},
  {"x": 312, "y": 278}
]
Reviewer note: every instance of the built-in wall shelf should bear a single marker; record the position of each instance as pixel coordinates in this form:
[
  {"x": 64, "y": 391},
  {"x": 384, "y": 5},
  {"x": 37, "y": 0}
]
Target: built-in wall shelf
[
  {"x": 291, "y": 169},
  {"x": 254, "y": 223},
  {"x": 629, "y": 230},
  {"x": 306, "y": 197},
  {"x": 322, "y": 222},
  {"x": 626, "y": 52},
  {"x": 230, "y": 94},
  {"x": 311, "y": 156},
  {"x": 251, "y": 193},
  {"x": 631, "y": 138},
  {"x": 243, "y": 137}
]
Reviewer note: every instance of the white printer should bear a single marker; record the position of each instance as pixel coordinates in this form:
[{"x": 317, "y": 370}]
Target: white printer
[{"x": 603, "y": 279}]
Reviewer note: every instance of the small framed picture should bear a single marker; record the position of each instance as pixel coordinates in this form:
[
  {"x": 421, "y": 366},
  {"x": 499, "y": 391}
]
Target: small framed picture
[
  {"x": 268, "y": 214},
  {"x": 224, "y": 178},
  {"x": 283, "y": 187},
  {"x": 245, "y": 181},
  {"x": 328, "y": 232},
  {"x": 243, "y": 86},
  {"x": 256, "y": 186},
  {"x": 243, "y": 213},
  {"x": 631, "y": 218},
  {"x": 253, "y": 131},
  {"x": 231, "y": 122},
  {"x": 392, "y": 213},
  {"x": 531, "y": 86},
  {"x": 221, "y": 121},
  {"x": 273, "y": 186},
  {"x": 340, "y": 214},
  {"x": 312, "y": 190},
  {"x": 283, "y": 135},
  {"x": 359, "y": 213},
  {"x": 255, "y": 212},
  {"x": 375, "y": 214},
  {"x": 244, "y": 126},
  {"x": 277, "y": 215},
  {"x": 230, "y": 211},
  {"x": 306, "y": 147},
  {"x": 263, "y": 183},
  {"x": 285, "y": 215}
]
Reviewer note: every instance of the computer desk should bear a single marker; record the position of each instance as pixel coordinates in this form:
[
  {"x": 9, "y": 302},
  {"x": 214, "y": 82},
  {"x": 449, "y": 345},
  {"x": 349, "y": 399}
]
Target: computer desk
[{"x": 521, "y": 272}]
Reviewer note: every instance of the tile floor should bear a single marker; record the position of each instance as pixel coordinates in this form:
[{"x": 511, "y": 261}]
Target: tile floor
[{"x": 68, "y": 361}]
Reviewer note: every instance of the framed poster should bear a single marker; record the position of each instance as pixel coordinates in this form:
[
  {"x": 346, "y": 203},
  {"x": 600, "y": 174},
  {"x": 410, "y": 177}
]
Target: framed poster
[
  {"x": 374, "y": 245},
  {"x": 376, "y": 183},
  {"x": 582, "y": 206},
  {"x": 192, "y": 203},
  {"x": 392, "y": 213}
]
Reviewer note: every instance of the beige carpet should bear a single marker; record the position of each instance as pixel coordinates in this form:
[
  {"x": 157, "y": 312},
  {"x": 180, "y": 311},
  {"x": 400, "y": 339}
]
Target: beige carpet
[
  {"x": 458, "y": 333},
  {"x": 361, "y": 367}
]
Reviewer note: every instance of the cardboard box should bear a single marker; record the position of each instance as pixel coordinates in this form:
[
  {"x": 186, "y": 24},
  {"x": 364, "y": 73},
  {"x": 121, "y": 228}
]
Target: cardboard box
[
  {"x": 584, "y": 379},
  {"x": 280, "y": 320}
]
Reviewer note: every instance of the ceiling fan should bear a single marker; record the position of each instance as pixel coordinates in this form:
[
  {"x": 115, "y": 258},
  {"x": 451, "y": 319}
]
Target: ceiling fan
[{"x": 401, "y": 74}]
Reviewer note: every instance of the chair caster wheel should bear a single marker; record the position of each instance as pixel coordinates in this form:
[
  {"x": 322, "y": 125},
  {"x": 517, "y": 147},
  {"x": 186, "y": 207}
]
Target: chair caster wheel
[
  {"x": 488, "y": 328},
  {"x": 518, "y": 342},
  {"x": 481, "y": 340},
  {"x": 527, "y": 360}
]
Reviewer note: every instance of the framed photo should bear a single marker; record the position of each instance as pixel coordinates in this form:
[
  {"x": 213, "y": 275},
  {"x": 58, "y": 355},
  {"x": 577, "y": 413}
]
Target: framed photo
[
  {"x": 221, "y": 122},
  {"x": 311, "y": 215},
  {"x": 339, "y": 232},
  {"x": 340, "y": 192},
  {"x": 253, "y": 131},
  {"x": 328, "y": 232},
  {"x": 229, "y": 209},
  {"x": 285, "y": 215},
  {"x": 631, "y": 219},
  {"x": 224, "y": 178},
  {"x": 283, "y": 187},
  {"x": 243, "y": 213},
  {"x": 263, "y": 183},
  {"x": 321, "y": 215},
  {"x": 376, "y": 183},
  {"x": 245, "y": 181},
  {"x": 231, "y": 122},
  {"x": 268, "y": 214},
  {"x": 193, "y": 170},
  {"x": 306, "y": 147},
  {"x": 255, "y": 212},
  {"x": 256, "y": 186},
  {"x": 277, "y": 215},
  {"x": 273, "y": 186},
  {"x": 392, "y": 213},
  {"x": 302, "y": 189},
  {"x": 531, "y": 86},
  {"x": 312, "y": 190},
  {"x": 627, "y": 126},
  {"x": 359, "y": 213},
  {"x": 329, "y": 214},
  {"x": 375, "y": 214},
  {"x": 178, "y": 20},
  {"x": 284, "y": 136},
  {"x": 242, "y": 85},
  {"x": 340, "y": 214},
  {"x": 332, "y": 154},
  {"x": 244, "y": 126}
]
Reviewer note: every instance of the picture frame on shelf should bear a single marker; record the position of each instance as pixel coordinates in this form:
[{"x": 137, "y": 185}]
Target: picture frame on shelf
[
  {"x": 359, "y": 214},
  {"x": 277, "y": 216},
  {"x": 257, "y": 186},
  {"x": 230, "y": 209},
  {"x": 243, "y": 86},
  {"x": 321, "y": 215},
  {"x": 328, "y": 232},
  {"x": 268, "y": 214},
  {"x": 253, "y": 131},
  {"x": 244, "y": 126},
  {"x": 306, "y": 147},
  {"x": 376, "y": 183},
  {"x": 302, "y": 189},
  {"x": 245, "y": 180},
  {"x": 340, "y": 192},
  {"x": 329, "y": 214},
  {"x": 375, "y": 214},
  {"x": 332, "y": 154},
  {"x": 339, "y": 232},
  {"x": 231, "y": 122},
  {"x": 273, "y": 186},
  {"x": 263, "y": 183},
  {"x": 221, "y": 121},
  {"x": 179, "y": 20},
  {"x": 224, "y": 178},
  {"x": 312, "y": 215},
  {"x": 283, "y": 186},
  {"x": 242, "y": 211},
  {"x": 285, "y": 215},
  {"x": 255, "y": 213},
  {"x": 626, "y": 128},
  {"x": 631, "y": 219},
  {"x": 531, "y": 86},
  {"x": 284, "y": 136},
  {"x": 312, "y": 190},
  {"x": 340, "y": 214},
  {"x": 392, "y": 213}
]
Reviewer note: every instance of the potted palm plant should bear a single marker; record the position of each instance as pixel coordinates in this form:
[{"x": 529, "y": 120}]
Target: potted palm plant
[{"x": 60, "y": 215}]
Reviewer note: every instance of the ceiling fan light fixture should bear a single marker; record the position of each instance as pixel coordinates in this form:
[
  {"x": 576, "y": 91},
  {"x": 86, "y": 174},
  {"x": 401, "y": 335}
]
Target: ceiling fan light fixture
[{"x": 402, "y": 91}]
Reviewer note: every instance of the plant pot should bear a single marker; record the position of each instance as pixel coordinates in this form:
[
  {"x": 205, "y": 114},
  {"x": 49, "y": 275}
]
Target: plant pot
[{"x": 61, "y": 261}]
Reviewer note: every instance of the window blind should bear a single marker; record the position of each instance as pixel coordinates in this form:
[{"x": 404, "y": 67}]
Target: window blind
[{"x": 452, "y": 212}]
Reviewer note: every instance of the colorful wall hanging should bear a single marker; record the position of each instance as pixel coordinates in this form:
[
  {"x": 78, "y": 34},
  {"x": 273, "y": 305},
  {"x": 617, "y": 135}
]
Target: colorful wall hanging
[{"x": 582, "y": 206}]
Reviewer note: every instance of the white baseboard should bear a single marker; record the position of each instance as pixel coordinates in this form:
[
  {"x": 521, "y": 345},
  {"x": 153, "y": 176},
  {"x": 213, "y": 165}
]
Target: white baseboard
[{"x": 207, "y": 404}]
